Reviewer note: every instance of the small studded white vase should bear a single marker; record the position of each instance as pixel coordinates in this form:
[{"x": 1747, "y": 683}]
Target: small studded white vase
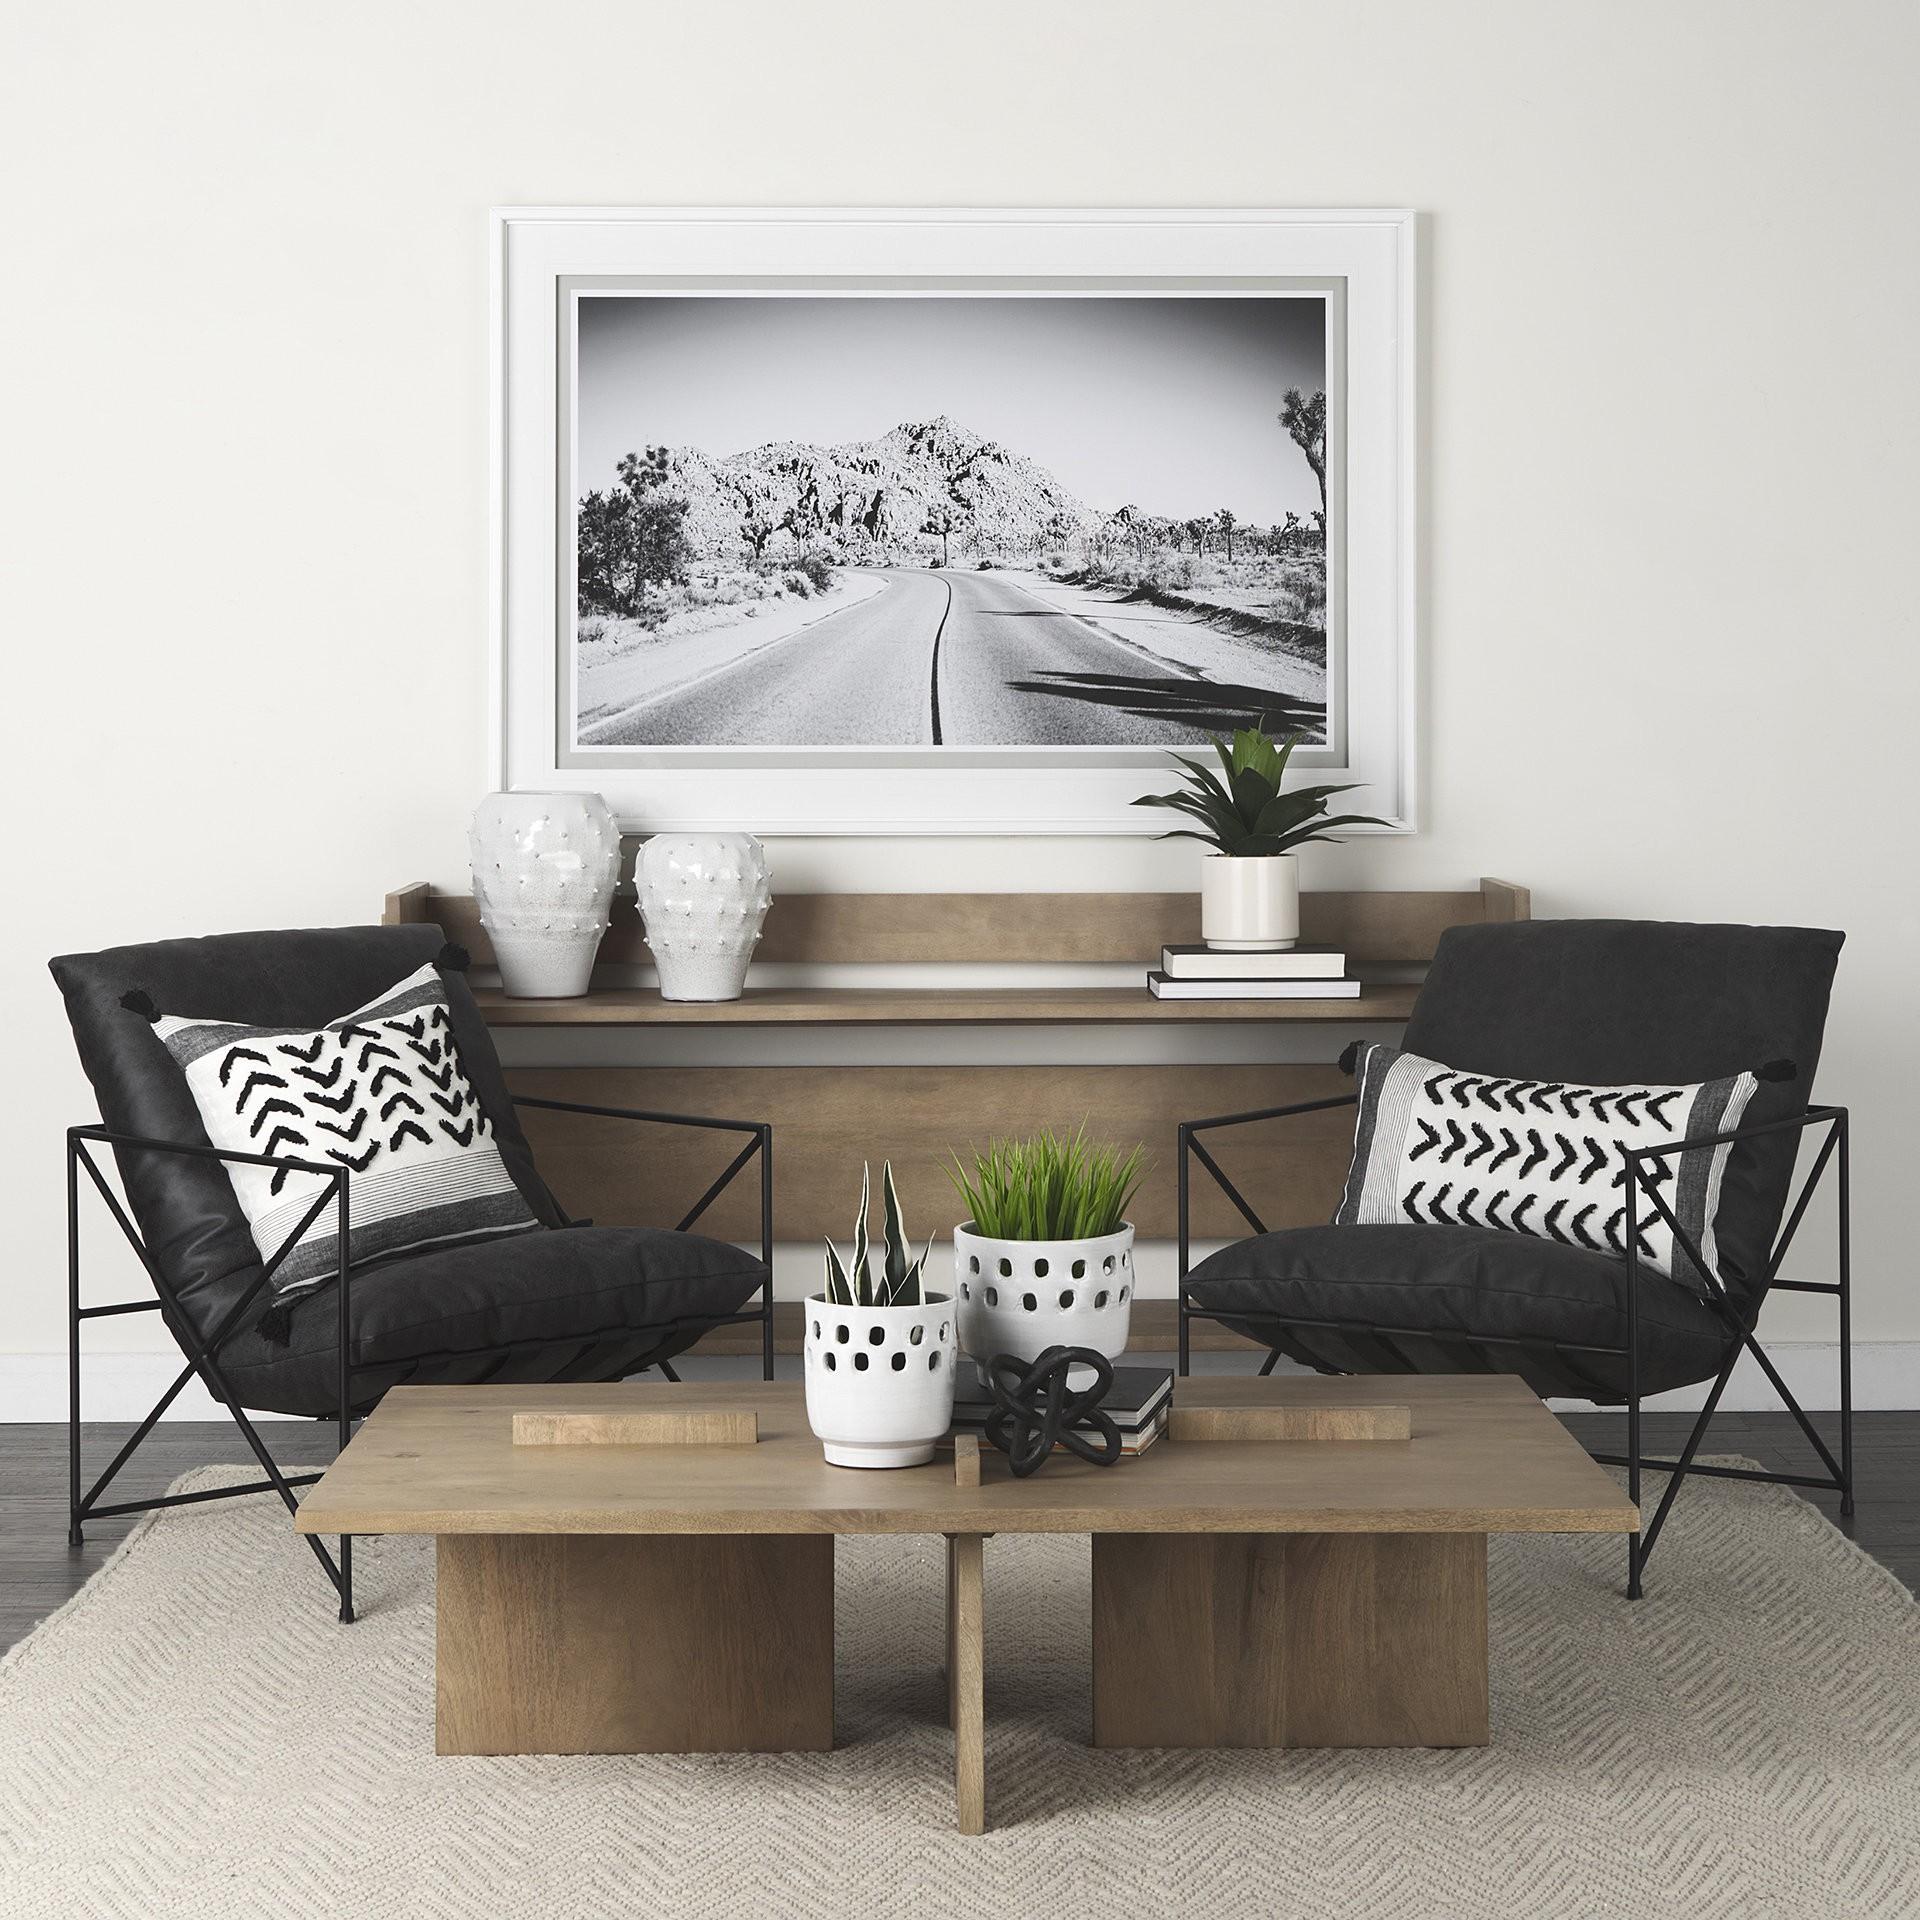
[
  {"x": 1024, "y": 1296},
  {"x": 879, "y": 1380},
  {"x": 544, "y": 867},
  {"x": 703, "y": 897}
]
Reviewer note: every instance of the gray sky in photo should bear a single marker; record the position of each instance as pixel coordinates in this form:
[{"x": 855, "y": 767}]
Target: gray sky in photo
[{"x": 1165, "y": 404}]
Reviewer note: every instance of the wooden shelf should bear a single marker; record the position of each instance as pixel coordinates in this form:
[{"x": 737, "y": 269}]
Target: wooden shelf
[{"x": 930, "y": 1007}]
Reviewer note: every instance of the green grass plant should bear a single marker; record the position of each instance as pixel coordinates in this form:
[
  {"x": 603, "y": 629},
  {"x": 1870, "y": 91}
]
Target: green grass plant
[{"x": 1051, "y": 1187}]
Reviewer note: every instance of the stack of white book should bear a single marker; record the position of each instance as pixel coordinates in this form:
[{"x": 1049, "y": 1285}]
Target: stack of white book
[{"x": 1206, "y": 973}]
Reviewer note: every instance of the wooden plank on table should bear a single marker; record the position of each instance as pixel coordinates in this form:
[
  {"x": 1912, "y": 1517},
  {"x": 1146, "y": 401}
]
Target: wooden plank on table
[
  {"x": 704, "y": 1427},
  {"x": 1291, "y": 1423},
  {"x": 828, "y": 1120}
]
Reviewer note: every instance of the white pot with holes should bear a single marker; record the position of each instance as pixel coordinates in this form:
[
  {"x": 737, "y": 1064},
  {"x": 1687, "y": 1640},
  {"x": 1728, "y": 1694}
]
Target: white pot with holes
[
  {"x": 1023, "y": 1296},
  {"x": 879, "y": 1380}
]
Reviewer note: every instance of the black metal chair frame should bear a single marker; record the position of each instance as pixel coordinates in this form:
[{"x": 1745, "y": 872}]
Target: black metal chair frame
[
  {"x": 203, "y": 1353},
  {"x": 1738, "y": 1314}
]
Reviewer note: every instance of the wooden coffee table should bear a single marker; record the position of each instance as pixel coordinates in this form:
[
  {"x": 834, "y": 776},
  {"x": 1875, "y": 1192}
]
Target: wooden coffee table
[{"x": 602, "y": 1597}]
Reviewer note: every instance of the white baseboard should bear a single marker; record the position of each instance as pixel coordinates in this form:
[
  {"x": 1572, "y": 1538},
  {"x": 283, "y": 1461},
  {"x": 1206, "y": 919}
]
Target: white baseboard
[
  {"x": 1886, "y": 1377},
  {"x": 115, "y": 1386},
  {"x": 123, "y": 1386}
]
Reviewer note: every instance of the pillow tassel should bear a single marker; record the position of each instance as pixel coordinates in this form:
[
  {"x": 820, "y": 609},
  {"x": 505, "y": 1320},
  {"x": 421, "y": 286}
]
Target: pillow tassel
[
  {"x": 275, "y": 1326},
  {"x": 140, "y": 1001},
  {"x": 453, "y": 958}
]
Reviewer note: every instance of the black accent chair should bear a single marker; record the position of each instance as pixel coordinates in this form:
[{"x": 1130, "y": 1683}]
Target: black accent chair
[
  {"x": 1602, "y": 1002},
  {"x": 586, "y": 1303}
]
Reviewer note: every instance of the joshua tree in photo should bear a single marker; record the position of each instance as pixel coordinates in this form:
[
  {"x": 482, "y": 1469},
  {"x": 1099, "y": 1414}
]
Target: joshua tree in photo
[
  {"x": 1057, "y": 531},
  {"x": 939, "y": 520},
  {"x": 605, "y": 554},
  {"x": 631, "y": 537},
  {"x": 1226, "y": 521},
  {"x": 804, "y": 520},
  {"x": 1131, "y": 524},
  {"x": 1197, "y": 530},
  {"x": 1306, "y": 421},
  {"x": 758, "y": 525}
]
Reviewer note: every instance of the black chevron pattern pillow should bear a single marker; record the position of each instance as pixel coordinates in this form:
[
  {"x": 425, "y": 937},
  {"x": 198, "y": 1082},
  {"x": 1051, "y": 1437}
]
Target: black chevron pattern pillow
[
  {"x": 381, "y": 1092},
  {"x": 1439, "y": 1146}
]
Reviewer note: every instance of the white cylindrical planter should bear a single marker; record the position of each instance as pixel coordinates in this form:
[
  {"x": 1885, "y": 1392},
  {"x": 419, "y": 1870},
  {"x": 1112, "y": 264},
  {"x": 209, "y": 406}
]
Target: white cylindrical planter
[
  {"x": 544, "y": 866},
  {"x": 1023, "y": 1296},
  {"x": 879, "y": 1380},
  {"x": 1250, "y": 906},
  {"x": 703, "y": 897}
]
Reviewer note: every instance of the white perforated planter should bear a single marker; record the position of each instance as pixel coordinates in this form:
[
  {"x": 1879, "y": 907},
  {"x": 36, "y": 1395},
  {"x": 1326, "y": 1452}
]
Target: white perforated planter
[
  {"x": 879, "y": 1380},
  {"x": 1023, "y": 1296}
]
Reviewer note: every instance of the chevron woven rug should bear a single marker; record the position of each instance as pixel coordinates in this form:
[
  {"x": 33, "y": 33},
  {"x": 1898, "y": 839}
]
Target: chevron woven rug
[{"x": 194, "y": 1735}]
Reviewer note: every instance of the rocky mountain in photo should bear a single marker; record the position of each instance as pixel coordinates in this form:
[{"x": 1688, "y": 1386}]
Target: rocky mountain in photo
[{"x": 875, "y": 500}]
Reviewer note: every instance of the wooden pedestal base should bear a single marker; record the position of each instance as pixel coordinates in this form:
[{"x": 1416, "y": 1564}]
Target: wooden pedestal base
[
  {"x": 966, "y": 1678},
  {"x": 635, "y": 1643},
  {"x": 1290, "y": 1640}
]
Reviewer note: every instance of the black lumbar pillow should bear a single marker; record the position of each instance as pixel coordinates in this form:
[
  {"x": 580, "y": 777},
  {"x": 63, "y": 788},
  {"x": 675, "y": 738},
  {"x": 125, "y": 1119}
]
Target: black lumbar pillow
[{"x": 1440, "y": 1146}]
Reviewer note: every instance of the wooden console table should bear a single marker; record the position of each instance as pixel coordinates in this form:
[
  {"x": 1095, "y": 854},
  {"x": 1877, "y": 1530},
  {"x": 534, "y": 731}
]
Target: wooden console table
[{"x": 829, "y": 1117}]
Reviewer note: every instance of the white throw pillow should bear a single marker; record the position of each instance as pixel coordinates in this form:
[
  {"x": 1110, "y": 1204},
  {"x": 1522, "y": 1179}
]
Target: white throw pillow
[
  {"x": 1435, "y": 1145},
  {"x": 380, "y": 1091}
]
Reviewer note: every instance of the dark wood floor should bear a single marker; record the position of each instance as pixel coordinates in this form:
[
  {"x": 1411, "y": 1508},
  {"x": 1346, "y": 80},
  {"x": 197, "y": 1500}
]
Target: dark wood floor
[{"x": 38, "y": 1571}]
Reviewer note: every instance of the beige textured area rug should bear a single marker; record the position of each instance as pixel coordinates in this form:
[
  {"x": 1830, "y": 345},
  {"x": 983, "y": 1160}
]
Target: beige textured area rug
[{"x": 196, "y": 1736}]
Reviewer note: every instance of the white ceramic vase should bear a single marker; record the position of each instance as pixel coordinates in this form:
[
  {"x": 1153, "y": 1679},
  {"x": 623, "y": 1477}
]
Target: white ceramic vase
[
  {"x": 1250, "y": 906},
  {"x": 703, "y": 897},
  {"x": 879, "y": 1380},
  {"x": 1024, "y": 1296},
  {"x": 544, "y": 867}
]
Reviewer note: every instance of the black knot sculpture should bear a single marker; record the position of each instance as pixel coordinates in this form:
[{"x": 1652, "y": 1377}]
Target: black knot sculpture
[{"x": 1034, "y": 1408}]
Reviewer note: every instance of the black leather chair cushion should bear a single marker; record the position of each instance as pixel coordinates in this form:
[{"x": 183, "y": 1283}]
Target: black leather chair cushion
[
  {"x": 587, "y": 1303},
  {"x": 1460, "y": 1293},
  {"x": 184, "y": 1208},
  {"x": 1606, "y": 1001}
]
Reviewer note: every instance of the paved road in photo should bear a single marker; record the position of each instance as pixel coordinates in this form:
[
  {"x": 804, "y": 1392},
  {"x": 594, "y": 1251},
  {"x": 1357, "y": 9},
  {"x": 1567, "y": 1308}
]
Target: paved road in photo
[{"x": 950, "y": 658}]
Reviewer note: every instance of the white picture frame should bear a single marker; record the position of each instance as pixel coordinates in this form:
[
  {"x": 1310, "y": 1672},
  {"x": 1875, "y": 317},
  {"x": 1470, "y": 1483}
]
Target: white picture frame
[{"x": 539, "y": 252}]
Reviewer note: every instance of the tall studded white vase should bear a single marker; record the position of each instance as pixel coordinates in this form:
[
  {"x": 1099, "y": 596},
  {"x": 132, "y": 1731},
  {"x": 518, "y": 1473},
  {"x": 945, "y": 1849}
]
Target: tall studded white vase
[
  {"x": 544, "y": 867},
  {"x": 703, "y": 897}
]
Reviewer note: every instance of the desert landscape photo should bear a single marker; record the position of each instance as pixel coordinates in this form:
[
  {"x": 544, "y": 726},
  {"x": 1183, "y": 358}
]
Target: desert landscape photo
[{"x": 936, "y": 521}]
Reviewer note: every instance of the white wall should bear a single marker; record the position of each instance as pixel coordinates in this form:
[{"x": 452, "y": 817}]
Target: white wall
[{"x": 1670, "y": 413}]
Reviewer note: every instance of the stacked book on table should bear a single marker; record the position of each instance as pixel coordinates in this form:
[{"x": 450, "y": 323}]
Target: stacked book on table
[
  {"x": 1206, "y": 973},
  {"x": 1137, "y": 1403}
]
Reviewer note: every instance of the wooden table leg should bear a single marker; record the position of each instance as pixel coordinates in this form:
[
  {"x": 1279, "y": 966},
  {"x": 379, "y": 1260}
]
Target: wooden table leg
[
  {"x": 1290, "y": 1640},
  {"x": 966, "y": 1677},
  {"x": 634, "y": 1643}
]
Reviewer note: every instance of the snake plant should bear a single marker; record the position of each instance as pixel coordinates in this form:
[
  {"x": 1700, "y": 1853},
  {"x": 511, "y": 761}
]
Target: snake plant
[
  {"x": 1245, "y": 814},
  {"x": 898, "y": 1283}
]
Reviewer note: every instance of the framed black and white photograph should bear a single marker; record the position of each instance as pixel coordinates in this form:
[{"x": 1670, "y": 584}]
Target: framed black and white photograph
[{"x": 939, "y": 522}]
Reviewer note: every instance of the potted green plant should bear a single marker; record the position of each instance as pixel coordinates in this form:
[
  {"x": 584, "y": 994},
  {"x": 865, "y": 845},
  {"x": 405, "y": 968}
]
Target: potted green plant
[
  {"x": 879, "y": 1350},
  {"x": 1250, "y": 883},
  {"x": 1045, "y": 1255}
]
